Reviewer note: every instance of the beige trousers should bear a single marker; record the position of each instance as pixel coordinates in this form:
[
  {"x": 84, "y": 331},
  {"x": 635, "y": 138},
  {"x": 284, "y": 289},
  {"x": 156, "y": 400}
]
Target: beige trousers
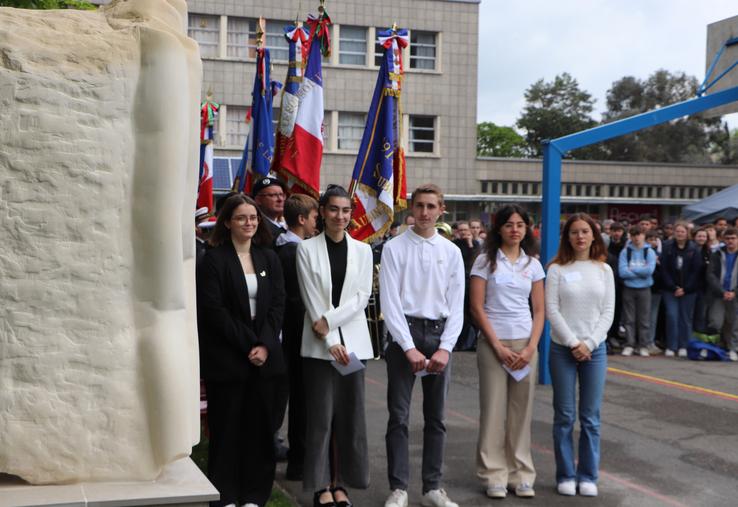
[{"x": 506, "y": 406}]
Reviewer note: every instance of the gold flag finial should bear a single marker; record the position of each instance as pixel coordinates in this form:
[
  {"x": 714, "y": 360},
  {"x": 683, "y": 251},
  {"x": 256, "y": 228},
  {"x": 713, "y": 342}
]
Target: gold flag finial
[
  {"x": 394, "y": 27},
  {"x": 260, "y": 31}
]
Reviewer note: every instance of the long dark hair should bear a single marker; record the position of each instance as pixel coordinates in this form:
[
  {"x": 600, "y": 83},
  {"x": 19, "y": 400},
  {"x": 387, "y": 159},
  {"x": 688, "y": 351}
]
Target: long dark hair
[
  {"x": 221, "y": 233},
  {"x": 566, "y": 255},
  {"x": 494, "y": 239}
]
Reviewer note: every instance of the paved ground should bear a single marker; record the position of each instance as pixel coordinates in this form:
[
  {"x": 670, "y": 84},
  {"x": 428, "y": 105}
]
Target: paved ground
[{"x": 669, "y": 437}]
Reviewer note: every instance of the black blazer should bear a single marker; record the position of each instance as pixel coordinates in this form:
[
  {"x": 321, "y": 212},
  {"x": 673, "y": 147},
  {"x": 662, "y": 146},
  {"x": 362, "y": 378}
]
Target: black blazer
[
  {"x": 295, "y": 310},
  {"x": 227, "y": 331}
]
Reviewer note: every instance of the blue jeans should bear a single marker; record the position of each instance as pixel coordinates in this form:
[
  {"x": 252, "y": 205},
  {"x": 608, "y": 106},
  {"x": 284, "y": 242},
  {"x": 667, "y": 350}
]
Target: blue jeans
[
  {"x": 564, "y": 373},
  {"x": 679, "y": 312}
]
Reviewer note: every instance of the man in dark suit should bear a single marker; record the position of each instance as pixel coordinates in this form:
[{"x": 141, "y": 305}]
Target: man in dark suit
[
  {"x": 301, "y": 215},
  {"x": 470, "y": 248},
  {"x": 270, "y": 194}
]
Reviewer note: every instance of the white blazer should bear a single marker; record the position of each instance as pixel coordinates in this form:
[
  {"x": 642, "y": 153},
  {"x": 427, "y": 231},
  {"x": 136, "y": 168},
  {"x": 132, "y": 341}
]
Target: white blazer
[{"x": 314, "y": 276}]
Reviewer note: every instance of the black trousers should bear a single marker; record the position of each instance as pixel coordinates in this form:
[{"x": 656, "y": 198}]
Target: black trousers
[
  {"x": 241, "y": 462},
  {"x": 296, "y": 423}
]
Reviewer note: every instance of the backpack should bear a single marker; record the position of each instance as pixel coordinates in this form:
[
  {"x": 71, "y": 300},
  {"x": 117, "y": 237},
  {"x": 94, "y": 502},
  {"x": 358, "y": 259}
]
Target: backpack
[
  {"x": 701, "y": 351},
  {"x": 629, "y": 253}
]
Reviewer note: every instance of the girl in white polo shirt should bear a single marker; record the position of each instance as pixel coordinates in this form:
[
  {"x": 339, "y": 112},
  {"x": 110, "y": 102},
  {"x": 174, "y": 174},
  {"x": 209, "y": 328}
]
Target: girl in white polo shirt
[{"x": 503, "y": 279}]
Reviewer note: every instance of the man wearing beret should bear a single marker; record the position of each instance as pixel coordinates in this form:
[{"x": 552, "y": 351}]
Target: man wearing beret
[{"x": 270, "y": 194}]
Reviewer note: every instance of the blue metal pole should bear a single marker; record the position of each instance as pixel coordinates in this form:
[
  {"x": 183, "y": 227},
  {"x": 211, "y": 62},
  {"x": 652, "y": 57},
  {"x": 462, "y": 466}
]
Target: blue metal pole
[
  {"x": 550, "y": 240},
  {"x": 651, "y": 118}
]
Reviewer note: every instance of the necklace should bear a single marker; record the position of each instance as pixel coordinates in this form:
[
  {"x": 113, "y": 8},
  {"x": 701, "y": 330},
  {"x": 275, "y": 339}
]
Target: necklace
[{"x": 244, "y": 255}]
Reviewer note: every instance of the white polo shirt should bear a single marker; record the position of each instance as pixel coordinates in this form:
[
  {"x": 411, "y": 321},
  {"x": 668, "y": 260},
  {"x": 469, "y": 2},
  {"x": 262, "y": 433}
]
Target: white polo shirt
[{"x": 508, "y": 290}]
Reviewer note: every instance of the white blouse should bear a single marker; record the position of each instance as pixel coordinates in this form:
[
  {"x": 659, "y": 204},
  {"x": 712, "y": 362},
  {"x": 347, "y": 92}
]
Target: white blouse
[{"x": 252, "y": 286}]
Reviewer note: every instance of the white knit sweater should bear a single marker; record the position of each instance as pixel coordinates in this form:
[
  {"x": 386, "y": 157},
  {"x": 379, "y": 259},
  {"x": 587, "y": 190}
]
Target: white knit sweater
[{"x": 580, "y": 302}]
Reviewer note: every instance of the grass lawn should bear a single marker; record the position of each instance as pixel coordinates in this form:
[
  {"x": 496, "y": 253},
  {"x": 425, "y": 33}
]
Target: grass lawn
[{"x": 200, "y": 457}]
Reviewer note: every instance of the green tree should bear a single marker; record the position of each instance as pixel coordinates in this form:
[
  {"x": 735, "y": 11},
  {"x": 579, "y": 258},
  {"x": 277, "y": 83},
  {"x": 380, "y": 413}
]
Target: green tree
[
  {"x": 497, "y": 141},
  {"x": 554, "y": 109},
  {"x": 48, "y": 4},
  {"x": 694, "y": 139}
]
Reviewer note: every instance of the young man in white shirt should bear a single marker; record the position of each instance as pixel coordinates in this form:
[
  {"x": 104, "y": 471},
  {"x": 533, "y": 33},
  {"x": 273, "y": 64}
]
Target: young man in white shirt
[{"x": 422, "y": 298}]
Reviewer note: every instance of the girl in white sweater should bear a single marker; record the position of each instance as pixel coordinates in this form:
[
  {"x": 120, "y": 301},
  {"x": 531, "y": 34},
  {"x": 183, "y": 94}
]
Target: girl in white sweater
[{"x": 580, "y": 302}]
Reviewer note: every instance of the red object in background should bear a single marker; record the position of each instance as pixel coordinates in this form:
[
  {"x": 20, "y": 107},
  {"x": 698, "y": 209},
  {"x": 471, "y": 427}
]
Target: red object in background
[{"x": 633, "y": 212}]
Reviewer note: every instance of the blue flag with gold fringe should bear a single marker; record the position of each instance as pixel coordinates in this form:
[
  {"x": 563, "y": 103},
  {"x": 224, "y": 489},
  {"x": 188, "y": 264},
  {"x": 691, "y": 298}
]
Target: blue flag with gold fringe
[{"x": 378, "y": 183}]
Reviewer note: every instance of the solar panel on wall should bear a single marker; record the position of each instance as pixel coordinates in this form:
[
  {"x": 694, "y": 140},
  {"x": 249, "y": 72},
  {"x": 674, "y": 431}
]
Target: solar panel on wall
[{"x": 221, "y": 174}]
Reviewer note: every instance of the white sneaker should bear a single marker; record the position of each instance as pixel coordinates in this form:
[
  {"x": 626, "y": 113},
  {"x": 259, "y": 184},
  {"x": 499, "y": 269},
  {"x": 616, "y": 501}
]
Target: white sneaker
[
  {"x": 567, "y": 488},
  {"x": 733, "y": 355},
  {"x": 682, "y": 353},
  {"x": 669, "y": 353},
  {"x": 398, "y": 498},
  {"x": 643, "y": 352},
  {"x": 703, "y": 354},
  {"x": 627, "y": 351},
  {"x": 497, "y": 491},
  {"x": 437, "y": 498},
  {"x": 587, "y": 488},
  {"x": 524, "y": 490},
  {"x": 250, "y": 505}
]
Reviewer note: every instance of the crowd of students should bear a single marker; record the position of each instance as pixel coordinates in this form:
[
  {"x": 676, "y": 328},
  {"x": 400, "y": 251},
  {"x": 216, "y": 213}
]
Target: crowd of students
[
  {"x": 281, "y": 315},
  {"x": 675, "y": 283}
]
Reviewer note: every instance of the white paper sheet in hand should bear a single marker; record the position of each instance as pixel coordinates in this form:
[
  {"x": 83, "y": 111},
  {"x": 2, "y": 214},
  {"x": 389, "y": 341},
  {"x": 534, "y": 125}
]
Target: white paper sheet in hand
[
  {"x": 424, "y": 372},
  {"x": 520, "y": 374},
  {"x": 354, "y": 365}
]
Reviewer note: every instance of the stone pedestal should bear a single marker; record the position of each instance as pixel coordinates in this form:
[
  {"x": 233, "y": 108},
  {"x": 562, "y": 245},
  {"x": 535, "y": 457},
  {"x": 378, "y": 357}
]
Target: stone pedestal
[{"x": 181, "y": 484}]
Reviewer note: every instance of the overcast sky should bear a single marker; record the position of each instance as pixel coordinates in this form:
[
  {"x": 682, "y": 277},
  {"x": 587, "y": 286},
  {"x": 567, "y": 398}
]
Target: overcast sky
[{"x": 596, "y": 41}]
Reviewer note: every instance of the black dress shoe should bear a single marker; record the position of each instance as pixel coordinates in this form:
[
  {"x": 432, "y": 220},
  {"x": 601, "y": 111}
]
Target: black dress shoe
[
  {"x": 344, "y": 503},
  {"x": 316, "y": 499}
]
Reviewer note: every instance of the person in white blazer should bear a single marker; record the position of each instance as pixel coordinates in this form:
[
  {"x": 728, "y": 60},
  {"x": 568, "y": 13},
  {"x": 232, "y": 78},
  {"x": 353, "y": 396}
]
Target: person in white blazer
[{"x": 335, "y": 276}]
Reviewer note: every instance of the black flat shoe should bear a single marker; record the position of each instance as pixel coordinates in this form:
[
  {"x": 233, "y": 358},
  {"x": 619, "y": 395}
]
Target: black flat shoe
[
  {"x": 345, "y": 503},
  {"x": 316, "y": 499}
]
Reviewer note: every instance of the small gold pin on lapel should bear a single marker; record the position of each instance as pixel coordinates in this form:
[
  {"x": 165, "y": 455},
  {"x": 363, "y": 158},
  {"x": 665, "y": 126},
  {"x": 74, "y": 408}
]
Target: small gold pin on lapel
[{"x": 263, "y": 273}]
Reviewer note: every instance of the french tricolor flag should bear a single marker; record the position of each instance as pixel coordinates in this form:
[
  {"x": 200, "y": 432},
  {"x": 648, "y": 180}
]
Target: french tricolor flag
[{"x": 304, "y": 155}]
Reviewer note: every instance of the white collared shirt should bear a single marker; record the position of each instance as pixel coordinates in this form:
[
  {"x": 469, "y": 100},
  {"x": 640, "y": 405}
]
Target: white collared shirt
[
  {"x": 424, "y": 278},
  {"x": 281, "y": 224},
  {"x": 508, "y": 289}
]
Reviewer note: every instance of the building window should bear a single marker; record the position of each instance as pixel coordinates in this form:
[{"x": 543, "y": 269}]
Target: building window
[
  {"x": 350, "y": 130},
  {"x": 236, "y": 128},
  {"x": 279, "y": 48},
  {"x": 422, "y": 50},
  {"x": 422, "y": 134},
  {"x": 206, "y": 31},
  {"x": 352, "y": 46},
  {"x": 378, "y": 48},
  {"x": 241, "y": 38}
]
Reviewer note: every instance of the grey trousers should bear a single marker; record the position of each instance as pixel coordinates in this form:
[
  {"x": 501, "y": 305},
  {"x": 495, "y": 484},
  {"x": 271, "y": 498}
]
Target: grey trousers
[
  {"x": 655, "y": 304},
  {"x": 637, "y": 316},
  {"x": 427, "y": 337},
  {"x": 723, "y": 317},
  {"x": 335, "y": 433}
]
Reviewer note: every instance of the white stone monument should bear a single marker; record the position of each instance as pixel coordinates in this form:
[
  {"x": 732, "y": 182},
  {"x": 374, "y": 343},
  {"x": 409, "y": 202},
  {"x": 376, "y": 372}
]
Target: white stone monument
[{"x": 99, "y": 152}]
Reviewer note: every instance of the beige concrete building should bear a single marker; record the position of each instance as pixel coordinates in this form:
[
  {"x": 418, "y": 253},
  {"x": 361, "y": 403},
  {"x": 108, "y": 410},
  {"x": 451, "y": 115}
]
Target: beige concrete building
[
  {"x": 439, "y": 92},
  {"x": 439, "y": 106}
]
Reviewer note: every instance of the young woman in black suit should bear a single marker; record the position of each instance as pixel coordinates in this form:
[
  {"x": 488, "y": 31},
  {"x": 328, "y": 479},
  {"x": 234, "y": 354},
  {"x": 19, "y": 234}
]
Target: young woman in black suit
[{"x": 240, "y": 303}]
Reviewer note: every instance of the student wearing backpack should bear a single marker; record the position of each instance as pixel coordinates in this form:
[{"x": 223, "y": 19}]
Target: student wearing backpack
[{"x": 635, "y": 267}]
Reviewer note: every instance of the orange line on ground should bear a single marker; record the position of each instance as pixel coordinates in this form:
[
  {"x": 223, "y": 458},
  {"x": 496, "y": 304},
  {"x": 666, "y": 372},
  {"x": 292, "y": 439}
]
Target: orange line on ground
[
  {"x": 670, "y": 383},
  {"x": 610, "y": 476}
]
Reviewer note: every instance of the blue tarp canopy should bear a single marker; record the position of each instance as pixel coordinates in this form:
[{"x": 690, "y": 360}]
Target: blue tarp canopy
[{"x": 723, "y": 204}]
